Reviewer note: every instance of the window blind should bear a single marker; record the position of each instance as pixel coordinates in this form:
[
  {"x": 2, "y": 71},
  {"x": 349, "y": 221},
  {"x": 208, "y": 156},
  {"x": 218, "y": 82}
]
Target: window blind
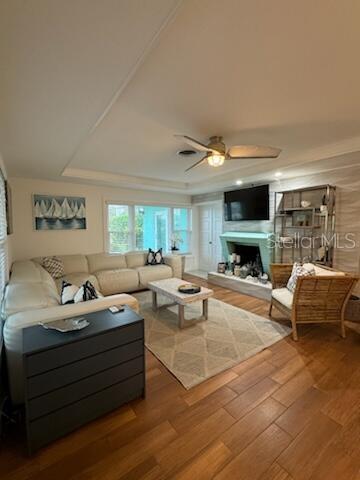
[{"x": 3, "y": 237}]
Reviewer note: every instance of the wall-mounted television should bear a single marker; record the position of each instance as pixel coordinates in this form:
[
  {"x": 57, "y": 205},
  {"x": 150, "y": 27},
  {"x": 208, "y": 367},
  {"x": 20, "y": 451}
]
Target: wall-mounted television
[{"x": 247, "y": 204}]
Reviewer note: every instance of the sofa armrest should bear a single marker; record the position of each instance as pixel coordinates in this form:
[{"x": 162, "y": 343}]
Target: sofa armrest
[
  {"x": 280, "y": 274},
  {"x": 176, "y": 263},
  {"x": 45, "y": 315}
]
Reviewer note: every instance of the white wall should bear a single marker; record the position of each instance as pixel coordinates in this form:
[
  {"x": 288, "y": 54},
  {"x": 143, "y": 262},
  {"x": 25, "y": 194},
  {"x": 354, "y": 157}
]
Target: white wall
[{"x": 28, "y": 243}]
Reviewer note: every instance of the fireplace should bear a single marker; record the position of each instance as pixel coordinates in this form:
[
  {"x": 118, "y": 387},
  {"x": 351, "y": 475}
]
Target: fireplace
[
  {"x": 253, "y": 247},
  {"x": 249, "y": 254}
]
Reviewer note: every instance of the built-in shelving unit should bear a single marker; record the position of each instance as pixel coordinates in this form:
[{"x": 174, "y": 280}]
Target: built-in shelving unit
[{"x": 304, "y": 225}]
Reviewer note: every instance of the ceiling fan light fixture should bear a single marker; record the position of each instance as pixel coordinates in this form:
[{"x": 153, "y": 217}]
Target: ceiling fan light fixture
[{"x": 216, "y": 160}]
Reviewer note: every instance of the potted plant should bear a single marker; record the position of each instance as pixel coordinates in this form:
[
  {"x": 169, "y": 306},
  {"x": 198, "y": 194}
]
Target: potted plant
[{"x": 175, "y": 241}]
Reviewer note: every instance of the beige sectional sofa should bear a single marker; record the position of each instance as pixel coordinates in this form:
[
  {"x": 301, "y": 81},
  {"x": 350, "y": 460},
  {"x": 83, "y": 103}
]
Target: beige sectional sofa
[{"x": 32, "y": 295}]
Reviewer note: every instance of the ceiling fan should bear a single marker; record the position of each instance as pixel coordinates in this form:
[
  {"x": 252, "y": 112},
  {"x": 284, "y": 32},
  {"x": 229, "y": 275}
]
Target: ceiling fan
[{"x": 216, "y": 152}]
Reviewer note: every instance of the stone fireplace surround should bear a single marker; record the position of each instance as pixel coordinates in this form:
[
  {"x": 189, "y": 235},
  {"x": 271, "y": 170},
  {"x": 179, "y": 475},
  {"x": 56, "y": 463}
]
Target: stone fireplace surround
[{"x": 249, "y": 243}]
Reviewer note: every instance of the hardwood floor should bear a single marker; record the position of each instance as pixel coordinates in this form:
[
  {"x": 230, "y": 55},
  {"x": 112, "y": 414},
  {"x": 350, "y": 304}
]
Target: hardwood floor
[{"x": 290, "y": 412}]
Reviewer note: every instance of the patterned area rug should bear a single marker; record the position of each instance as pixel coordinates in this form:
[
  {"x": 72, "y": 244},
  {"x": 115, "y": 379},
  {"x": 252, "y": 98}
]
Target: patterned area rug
[{"x": 194, "y": 354}]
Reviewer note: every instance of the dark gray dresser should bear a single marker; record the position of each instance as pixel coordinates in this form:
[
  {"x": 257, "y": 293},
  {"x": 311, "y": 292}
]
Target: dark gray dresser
[{"x": 72, "y": 378}]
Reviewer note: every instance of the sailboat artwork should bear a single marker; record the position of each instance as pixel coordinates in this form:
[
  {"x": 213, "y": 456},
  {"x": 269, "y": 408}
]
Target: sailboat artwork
[{"x": 59, "y": 212}]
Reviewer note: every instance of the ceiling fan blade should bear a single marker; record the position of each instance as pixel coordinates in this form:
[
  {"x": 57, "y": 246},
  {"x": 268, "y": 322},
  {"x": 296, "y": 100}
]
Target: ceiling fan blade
[
  {"x": 195, "y": 144},
  {"x": 197, "y": 164},
  {"x": 252, "y": 151}
]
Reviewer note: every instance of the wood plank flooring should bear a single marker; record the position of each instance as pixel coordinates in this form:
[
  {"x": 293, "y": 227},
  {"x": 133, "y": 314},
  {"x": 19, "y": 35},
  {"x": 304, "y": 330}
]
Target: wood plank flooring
[{"x": 292, "y": 412}]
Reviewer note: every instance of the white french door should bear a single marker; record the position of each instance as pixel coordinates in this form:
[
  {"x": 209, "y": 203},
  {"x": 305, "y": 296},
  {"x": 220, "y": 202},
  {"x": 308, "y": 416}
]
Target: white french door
[{"x": 210, "y": 229}]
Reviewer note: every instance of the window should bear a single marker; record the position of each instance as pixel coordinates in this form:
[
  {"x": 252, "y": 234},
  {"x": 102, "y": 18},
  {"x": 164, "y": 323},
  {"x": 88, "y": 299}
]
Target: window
[
  {"x": 118, "y": 227},
  {"x": 152, "y": 227},
  {"x": 139, "y": 227},
  {"x": 3, "y": 237},
  {"x": 182, "y": 229}
]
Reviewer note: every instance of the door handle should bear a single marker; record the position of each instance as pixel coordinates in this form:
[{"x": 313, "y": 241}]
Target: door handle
[{"x": 210, "y": 243}]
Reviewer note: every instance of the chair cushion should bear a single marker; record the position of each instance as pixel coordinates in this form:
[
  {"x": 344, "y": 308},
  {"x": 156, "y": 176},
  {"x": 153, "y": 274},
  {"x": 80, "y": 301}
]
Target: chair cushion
[
  {"x": 118, "y": 281},
  {"x": 321, "y": 272},
  {"x": 150, "y": 273},
  {"x": 103, "y": 261},
  {"x": 283, "y": 296}
]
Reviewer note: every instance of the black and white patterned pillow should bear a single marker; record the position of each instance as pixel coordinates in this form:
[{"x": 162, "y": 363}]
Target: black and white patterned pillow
[
  {"x": 54, "y": 266},
  {"x": 68, "y": 292},
  {"x": 72, "y": 294},
  {"x": 154, "y": 258},
  {"x": 86, "y": 292},
  {"x": 298, "y": 271}
]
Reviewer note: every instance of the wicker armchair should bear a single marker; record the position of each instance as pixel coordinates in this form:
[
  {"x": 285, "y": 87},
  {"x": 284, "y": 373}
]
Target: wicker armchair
[{"x": 317, "y": 299}]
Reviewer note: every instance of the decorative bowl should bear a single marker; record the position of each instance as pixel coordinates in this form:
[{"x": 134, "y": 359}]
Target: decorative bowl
[{"x": 189, "y": 288}]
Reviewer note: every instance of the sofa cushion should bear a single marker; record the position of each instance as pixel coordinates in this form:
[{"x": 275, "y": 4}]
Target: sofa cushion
[
  {"x": 74, "y": 263},
  {"x": 103, "y": 261},
  {"x": 77, "y": 279},
  {"x": 118, "y": 281},
  {"x": 136, "y": 259},
  {"x": 25, "y": 271},
  {"x": 150, "y": 273},
  {"x": 283, "y": 296},
  {"x": 45, "y": 276},
  {"x": 28, "y": 296}
]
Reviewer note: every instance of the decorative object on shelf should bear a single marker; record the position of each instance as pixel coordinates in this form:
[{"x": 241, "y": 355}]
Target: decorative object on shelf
[
  {"x": 264, "y": 278},
  {"x": 237, "y": 270},
  {"x": 175, "y": 240},
  {"x": 244, "y": 271},
  {"x": 221, "y": 267},
  {"x": 66, "y": 324},
  {"x": 323, "y": 208},
  {"x": 58, "y": 212},
  {"x": 189, "y": 288},
  {"x": 301, "y": 219},
  {"x": 305, "y": 203}
]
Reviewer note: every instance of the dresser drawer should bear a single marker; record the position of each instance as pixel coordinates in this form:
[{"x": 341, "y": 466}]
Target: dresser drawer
[
  {"x": 74, "y": 392},
  {"x": 61, "y": 422},
  {"x": 59, "y": 356},
  {"x": 59, "y": 377}
]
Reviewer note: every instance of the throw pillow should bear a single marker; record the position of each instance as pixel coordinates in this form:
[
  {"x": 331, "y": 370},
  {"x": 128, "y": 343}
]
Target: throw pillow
[
  {"x": 68, "y": 292},
  {"x": 154, "y": 258},
  {"x": 54, "y": 266},
  {"x": 298, "y": 271},
  {"x": 85, "y": 292}
]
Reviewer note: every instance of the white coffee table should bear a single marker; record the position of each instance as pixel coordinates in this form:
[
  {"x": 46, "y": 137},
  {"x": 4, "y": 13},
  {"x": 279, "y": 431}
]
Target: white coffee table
[{"x": 169, "y": 288}]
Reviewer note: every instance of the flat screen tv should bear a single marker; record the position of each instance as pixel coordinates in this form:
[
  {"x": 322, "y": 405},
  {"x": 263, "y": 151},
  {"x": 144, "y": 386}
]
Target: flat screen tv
[{"x": 247, "y": 204}]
